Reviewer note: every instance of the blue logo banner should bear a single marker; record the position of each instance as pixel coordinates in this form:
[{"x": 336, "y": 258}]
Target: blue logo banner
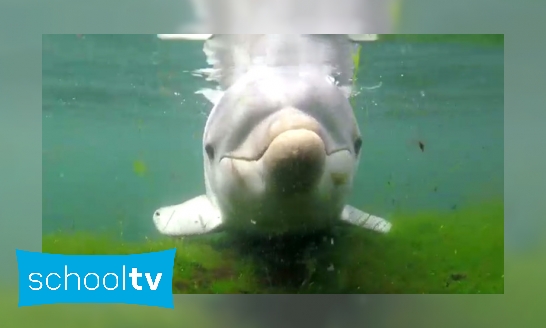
[{"x": 142, "y": 279}]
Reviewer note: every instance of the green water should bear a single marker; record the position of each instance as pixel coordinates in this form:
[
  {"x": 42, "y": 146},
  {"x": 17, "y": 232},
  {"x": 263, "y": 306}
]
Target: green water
[{"x": 122, "y": 136}]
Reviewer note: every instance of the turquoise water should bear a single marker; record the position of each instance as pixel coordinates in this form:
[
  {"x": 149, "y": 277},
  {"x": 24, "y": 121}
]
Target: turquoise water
[{"x": 112, "y": 100}]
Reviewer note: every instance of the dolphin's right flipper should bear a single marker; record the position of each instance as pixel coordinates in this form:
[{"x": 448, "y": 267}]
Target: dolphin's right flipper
[
  {"x": 362, "y": 219},
  {"x": 196, "y": 216}
]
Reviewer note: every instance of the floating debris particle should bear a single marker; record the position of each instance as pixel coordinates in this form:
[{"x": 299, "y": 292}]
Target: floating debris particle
[{"x": 421, "y": 146}]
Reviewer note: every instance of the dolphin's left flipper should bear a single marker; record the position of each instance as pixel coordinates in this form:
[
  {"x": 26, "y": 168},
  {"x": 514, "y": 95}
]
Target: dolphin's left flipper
[
  {"x": 196, "y": 216},
  {"x": 362, "y": 219}
]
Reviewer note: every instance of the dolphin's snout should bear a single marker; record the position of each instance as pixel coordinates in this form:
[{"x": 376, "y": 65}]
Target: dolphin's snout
[
  {"x": 294, "y": 161},
  {"x": 292, "y": 119}
]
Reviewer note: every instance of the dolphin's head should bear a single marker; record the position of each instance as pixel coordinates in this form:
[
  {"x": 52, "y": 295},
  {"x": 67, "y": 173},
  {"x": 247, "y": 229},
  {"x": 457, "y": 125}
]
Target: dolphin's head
[{"x": 281, "y": 142}]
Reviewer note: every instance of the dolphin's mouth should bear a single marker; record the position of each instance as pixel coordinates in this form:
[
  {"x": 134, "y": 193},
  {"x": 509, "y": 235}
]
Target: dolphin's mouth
[
  {"x": 263, "y": 151},
  {"x": 286, "y": 120}
]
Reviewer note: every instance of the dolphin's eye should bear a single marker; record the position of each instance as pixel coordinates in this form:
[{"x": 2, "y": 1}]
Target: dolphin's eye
[
  {"x": 210, "y": 151},
  {"x": 358, "y": 145}
]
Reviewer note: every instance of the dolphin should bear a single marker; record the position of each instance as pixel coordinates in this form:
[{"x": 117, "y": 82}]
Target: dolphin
[{"x": 281, "y": 145}]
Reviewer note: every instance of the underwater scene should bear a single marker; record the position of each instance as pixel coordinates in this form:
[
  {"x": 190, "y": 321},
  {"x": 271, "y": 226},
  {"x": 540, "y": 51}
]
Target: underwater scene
[{"x": 123, "y": 129}]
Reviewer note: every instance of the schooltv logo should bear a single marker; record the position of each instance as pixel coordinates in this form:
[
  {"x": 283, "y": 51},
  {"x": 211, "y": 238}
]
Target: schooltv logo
[{"x": 142, "y": 279}]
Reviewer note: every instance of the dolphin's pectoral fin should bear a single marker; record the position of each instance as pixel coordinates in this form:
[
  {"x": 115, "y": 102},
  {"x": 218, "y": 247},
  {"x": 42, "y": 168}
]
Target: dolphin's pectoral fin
[
  {"x": 362, "y": 219},
  {"x": 196, "y": 216}
]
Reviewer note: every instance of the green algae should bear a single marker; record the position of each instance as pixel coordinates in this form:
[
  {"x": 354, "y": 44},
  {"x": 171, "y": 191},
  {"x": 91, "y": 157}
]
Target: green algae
[{"x": 457, "y": 251}]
